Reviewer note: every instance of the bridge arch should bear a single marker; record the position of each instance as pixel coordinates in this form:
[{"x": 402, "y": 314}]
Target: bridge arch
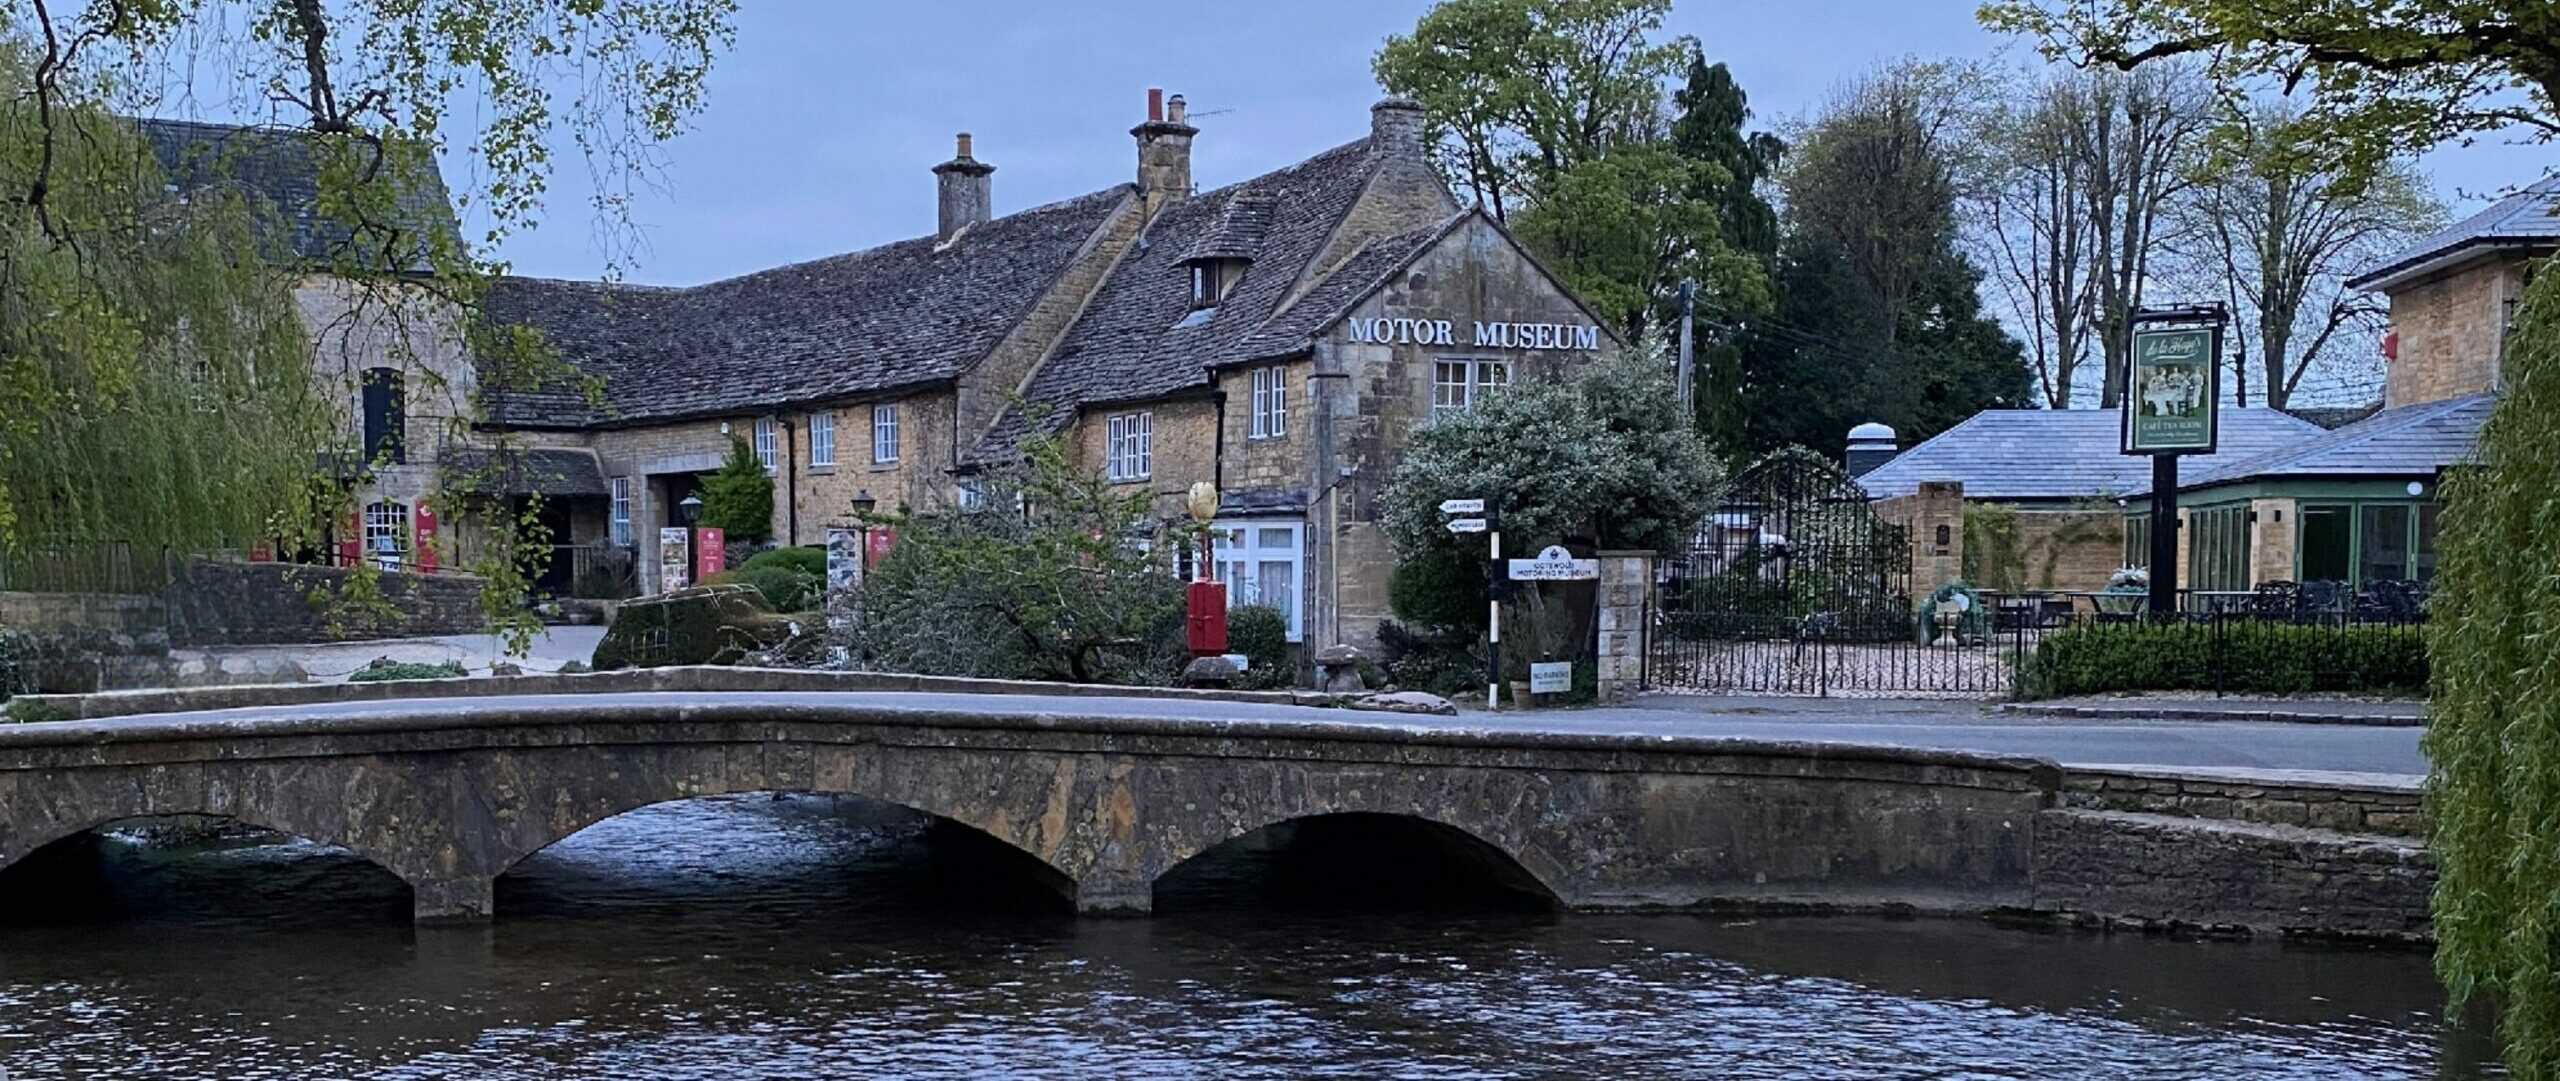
[
  {"x": 25, "y": 847},
  {"x": 1006, "y": 845},
  {"x": 1356, "y": 857}
]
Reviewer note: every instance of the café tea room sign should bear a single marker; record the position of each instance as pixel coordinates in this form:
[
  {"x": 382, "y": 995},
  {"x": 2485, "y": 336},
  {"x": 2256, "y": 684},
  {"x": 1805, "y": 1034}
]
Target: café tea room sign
[
  {"x": 2170, "y": 402},
  {"x": 1385, "y": 331}
]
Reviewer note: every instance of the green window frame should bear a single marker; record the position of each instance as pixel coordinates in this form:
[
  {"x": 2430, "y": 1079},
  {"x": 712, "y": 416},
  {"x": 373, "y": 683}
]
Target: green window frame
[
  {"x": 2218, "y": 548},
  {"x": 2384, "y": 539}
]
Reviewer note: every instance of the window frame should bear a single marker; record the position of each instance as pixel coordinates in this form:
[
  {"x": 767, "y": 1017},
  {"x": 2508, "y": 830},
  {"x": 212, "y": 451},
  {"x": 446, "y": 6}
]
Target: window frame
[
  {"x": 1129, "y": 446},
  {"x": 390, "y": 445},
  {"x": 1237, "y": 543},
  {"x": 1477, "y": 379},
  {"x": 390, "y": 519},
  {"x": 618, "y": 529},
  {"x": 767, "y": 443},
  {"x": 822, "y": 438},
  {"x": 1270, "y": 403},
  {"x": 2414, "y": 540},
  {"x": 885, "y": 435}
]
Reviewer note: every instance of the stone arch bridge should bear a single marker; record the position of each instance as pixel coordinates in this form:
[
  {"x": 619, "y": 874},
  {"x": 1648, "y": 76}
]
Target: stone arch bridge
[{"x": 1109, "y": 794}]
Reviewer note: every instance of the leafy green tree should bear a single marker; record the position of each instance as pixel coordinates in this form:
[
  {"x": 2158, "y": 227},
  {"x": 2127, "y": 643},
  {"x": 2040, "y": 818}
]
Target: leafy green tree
[
  {"x": 1550, "y": 112},
  {"x": 738, "y": 500},
  {"x": 154, "y": 386},
  {"x": 2383, "y": 79},
  {"x": 2493, "y": 735},
  {"x": 1603, "y": 458},
  {"x": 1518, "y": 91},
  {"x": 362, "y": 89},
  {"x": 1052, "y": 574},
  {"x": 1624, "y": 228},
  {"x": 1709, "y": 129},
  {"x": 1879, "y": 315}
]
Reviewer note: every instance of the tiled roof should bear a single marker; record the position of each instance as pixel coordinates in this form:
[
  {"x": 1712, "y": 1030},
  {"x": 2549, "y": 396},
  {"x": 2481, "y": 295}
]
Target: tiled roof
[
  {"x": 1335, "y": 296},
  {"x": 901, "y": 314},
  {"x": 2062, "y": 453},
  {"x": 277, "y": 167},
  {"x": 553, "y": 471},
  {"x": 2412, "y": 440},
  {"x": 2335, "y": 416},
  {"x": 2524, "y": 217},
  {"x": 1139, "y": 338}
]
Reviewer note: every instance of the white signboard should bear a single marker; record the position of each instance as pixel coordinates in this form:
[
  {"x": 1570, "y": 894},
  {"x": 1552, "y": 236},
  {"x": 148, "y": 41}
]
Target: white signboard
[
  {"x": 675, "y": 558},
  {"x": 1550, "y": 677},
  {"x": 1554, "y": 564},
  {"x": 1466, "y": 525},
  {"x": 1462, "y": 506}
]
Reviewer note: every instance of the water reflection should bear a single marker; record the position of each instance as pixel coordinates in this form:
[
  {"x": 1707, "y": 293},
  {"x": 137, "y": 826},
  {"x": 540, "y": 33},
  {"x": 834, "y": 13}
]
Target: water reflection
[{"x": 816, "y": 937}]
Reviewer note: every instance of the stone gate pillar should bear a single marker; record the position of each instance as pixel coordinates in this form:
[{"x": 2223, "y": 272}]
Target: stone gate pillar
[{"x": 1626, "y": 583}]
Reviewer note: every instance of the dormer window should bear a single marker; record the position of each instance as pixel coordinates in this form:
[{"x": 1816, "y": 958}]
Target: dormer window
[{"x": 1213, "y": 279}]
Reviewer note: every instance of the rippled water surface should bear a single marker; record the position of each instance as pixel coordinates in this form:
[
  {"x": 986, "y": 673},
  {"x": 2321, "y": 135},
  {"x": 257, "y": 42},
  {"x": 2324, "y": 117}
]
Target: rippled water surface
[{"x": 801, "y": 937}]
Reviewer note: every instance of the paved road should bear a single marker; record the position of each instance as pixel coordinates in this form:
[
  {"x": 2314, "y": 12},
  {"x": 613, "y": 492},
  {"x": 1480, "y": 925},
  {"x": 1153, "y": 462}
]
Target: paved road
[{"x": 1948, "y": 725}]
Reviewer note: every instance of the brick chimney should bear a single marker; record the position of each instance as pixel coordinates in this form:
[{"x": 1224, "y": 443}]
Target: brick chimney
[
  {"x": 1164, "y": 152},
  {"x": 1395, "y": 126},
  {"x": 967, "y": 194}
]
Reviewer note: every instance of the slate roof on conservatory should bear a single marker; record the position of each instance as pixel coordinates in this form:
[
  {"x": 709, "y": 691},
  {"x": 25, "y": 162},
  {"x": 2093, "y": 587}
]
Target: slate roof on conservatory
[{"x": 2056, "y": 454}]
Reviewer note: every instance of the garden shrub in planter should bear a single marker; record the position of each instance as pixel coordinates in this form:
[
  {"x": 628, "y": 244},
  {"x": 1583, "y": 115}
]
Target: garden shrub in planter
[
  {"x": 1443, "y": 663},
  {"x": 785, "y": 588},
  {"x": 383, "y": 668}
]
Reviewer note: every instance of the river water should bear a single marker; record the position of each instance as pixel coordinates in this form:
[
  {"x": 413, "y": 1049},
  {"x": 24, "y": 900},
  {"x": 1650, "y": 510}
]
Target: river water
[{"x": 808, "y": 937}]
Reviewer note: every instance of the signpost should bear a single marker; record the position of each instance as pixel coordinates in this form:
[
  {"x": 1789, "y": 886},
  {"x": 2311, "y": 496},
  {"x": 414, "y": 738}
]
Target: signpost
[
  {"x": 2172, "y": 406},
  {"x": 1491, "y": 526}
]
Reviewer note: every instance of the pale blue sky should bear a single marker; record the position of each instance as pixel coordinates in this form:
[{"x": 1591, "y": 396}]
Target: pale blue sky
[{"x": 824, "y": 121}]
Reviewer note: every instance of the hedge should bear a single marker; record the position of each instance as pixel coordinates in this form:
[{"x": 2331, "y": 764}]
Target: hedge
[{"x": 2249, "y": 657}]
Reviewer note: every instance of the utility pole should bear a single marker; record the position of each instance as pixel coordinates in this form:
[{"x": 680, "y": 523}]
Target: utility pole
[{"x": 1688, "y": 349}]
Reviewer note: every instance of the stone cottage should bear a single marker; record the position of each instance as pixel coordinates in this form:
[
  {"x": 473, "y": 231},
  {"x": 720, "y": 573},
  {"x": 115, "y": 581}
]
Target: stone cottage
[{"x": 1275, "y": 338}]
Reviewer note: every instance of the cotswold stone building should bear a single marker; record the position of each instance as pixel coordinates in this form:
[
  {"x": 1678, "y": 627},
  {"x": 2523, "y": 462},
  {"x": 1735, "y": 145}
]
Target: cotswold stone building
[{"x": 1276, "y": 338}]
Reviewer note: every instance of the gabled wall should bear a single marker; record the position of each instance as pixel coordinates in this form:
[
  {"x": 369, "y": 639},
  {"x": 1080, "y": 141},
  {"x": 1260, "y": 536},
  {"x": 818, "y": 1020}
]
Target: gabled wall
[{"x": 2452, "y": 330}]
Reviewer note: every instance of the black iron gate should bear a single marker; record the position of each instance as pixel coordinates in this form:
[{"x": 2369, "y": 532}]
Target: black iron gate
[{"x": 1795, "y": 585}]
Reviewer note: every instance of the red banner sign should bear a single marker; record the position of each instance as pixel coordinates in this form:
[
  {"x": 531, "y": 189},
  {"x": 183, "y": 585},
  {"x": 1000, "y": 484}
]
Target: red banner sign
[
  {"x": 876, "y": 543},
  {"x": 426, "y": 542},
  {"x": 351, "y": 542},
  {"x": 710, "y": 551}
]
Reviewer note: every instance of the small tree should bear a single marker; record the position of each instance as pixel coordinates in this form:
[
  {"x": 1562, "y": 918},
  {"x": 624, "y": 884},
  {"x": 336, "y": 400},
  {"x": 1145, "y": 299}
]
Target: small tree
[
  {"x": 1607, "y": 457},
  {"x": 738, "y": 500},
  {"x": 1052, "y": 574},
  {"x": 2493, "y": 735}
]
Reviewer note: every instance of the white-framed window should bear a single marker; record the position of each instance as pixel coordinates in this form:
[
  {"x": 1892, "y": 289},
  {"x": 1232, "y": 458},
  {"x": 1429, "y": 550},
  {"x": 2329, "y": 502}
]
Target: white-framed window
[
  {"x": 1270, "y": 403},
  {"x": 386, "y": 534},
  {"x": 971, "y": 494},
  {"x": 1212, "y": 280},
  {"x": 884, "y": 433},
  {"x": 1129, "y": 446},
  {"x": 1457, "y": 385},
  {"x": 768, "y": 446},
  {"x": 822, "y": 437},
  {"x": 620, "y": 527},
  {"x": 1263, "y": 562}
]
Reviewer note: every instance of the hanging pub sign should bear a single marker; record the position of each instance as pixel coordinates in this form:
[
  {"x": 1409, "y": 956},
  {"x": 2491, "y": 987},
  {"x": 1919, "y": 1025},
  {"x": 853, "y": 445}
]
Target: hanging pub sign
[{"x": 2172, "y": 397}]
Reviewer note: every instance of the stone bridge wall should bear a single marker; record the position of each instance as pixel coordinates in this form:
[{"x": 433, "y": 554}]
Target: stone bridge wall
[{"x": 448, "y": 799}]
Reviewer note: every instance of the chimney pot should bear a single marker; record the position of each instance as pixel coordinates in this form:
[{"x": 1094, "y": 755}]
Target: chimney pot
[
  {"x": 1164, "y": 153},
  {"x": 964, "y": 190}
]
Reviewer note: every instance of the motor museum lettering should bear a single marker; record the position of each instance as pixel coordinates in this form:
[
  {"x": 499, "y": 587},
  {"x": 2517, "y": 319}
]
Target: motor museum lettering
[{"x": 1385, "y": 331}]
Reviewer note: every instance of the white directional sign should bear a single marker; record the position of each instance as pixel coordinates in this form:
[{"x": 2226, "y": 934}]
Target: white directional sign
[
  {"x": 1466, "y": 525},
  {"x": 1462, "y": 506},
  {"x": 1553, "y": 564}
]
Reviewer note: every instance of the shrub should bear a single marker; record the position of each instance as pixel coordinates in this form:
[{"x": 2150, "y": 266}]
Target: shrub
[
  {"x": 810, "y": 560},
  {"x": 785, "y": 588},
  {"x": 384, "y": 668},
  {"x": 1441, "y": 588},
  {"x": 2252, "y": 657},
  {"x": 738, "y": 500},
  {"x": 1261, "y": 633},
  {"x": 1442, "y": 663},
  {"x": 703, "y": 625}
]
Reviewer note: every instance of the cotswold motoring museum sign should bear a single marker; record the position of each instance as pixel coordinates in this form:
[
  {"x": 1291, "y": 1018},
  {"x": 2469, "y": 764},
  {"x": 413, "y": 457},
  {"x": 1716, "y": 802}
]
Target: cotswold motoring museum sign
[
  {"x": 2171, "y": 400},
  {"x": 1383, "y": 331}
]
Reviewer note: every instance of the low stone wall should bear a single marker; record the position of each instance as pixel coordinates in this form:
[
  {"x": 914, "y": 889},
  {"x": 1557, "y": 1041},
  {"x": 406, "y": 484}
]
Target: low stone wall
[
  {"x": 2346, "y": 802},
  {"x": 2163, "y": 872},
  {"x": 131, "y": 615},
  {"x": 216, "y": 602}
]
